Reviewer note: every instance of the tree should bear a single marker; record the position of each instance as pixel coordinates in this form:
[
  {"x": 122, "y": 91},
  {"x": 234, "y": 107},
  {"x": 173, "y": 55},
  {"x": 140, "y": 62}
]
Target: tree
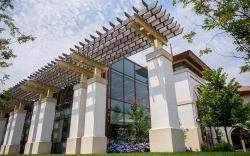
[
  {"x": 221, "y": 104},
  {"x": 5, "y": 98},
  {"x": 139, "y": 128},
  {"x": 10, "y": 34},
  {"x": 230, "y": 16}
]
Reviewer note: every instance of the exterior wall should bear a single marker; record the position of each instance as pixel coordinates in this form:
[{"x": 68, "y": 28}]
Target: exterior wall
[
  {"x": 186, "y": 83},
  {"x": 246, "y": 98}
]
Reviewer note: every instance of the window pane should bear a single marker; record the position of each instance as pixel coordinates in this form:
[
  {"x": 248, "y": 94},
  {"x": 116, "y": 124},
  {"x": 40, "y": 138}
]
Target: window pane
[
  {"x": 116, "y": 106},
  {"x": 129, "y": 68},
  {"x": 116, "y": 85},
  {"x": 127, "y": 108},
  {"x": 128, "y": 119},
  {"x": 141, "y": 73},
  {"x": 129, "y": 90},
  {"x": 118, "y": 66},
  {"x": 142, "y": 94},
  {"x": 116, "y": 118}
]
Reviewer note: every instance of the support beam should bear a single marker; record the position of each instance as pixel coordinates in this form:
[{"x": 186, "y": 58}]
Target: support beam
[
  {"x": 41, "y": 86},
  {"x": 85, "y": 60},
  {"x": 33, "y": 89},
  {"x": 74, "y": 69},
  {"x": 147, "y": 30}
]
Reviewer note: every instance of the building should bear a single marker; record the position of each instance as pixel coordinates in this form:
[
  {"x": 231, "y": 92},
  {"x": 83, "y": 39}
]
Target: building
[{"x": 78, "y": 102}]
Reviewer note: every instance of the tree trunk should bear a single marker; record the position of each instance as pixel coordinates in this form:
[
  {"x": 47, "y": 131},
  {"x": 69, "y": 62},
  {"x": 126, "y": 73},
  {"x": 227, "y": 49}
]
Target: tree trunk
[{"x": 225, "y": 129}]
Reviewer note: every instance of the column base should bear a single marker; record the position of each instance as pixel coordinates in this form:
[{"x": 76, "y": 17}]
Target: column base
[
  {"x": 166, "y": 140},
  {"x": 192, "y": 140},
  {"x": 41, "y": 147},
  {"x": 91, "y": 145},
  {"x": 28, "y": 148},
  {"x": 73, "y": 146},
  {"x": 12, "y": 149},
  {"x": 2, "y": 149}
]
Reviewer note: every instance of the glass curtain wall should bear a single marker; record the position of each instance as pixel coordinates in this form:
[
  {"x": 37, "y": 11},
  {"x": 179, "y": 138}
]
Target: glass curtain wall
[
  {"x": 62, "y": 120},
  {"x": 128, "y": 84}
]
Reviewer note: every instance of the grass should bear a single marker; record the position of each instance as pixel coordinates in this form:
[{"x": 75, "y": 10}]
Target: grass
[{"x": 164, "y": 154}]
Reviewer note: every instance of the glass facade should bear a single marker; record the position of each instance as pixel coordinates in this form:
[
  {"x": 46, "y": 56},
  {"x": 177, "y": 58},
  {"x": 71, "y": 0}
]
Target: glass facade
[
  {"x": 128, "y": 84},
  {"x": 62, "y": 120}
]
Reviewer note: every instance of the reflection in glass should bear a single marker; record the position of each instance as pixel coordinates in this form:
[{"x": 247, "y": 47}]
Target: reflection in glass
[
  {"x": 116, "y": 85},
  {"x": 129, "y": 68},
  {"x": 141, "y": 73},
  {"x": 116, "y": 106},
  {"x": 118, "y": 66},
  {"x": 142, "y": 94},
  {"x": 129, "y": 90},
  {"x": 116, "y": 118}
]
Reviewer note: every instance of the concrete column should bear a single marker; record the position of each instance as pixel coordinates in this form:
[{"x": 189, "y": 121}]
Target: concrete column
[
  {"x": 7, "y": 133},
  {"x": 33, "y": 127},
  {"x": 165, "y": 134},
  {"x": 16, "y": 129},
  {"x": 94, "y": 140},
  {"x": 2, "y": 128},
  {"x": 42, "y": 142},
  {"x": 77, "y": 118}
]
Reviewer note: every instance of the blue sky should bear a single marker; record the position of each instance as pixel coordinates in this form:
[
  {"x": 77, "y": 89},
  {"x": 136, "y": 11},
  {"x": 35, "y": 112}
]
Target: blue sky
[{"x": 61, "y": 24}]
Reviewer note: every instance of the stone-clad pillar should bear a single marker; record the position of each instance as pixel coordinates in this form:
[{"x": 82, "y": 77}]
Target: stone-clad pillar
[
  {"x": 33, "y": 127},
  {"x": 94, "y": 140},
  {"x": 165, "y": 134},
  {"x": 2, "y": 125},
  {"x": 7, "y": 133},
  {"x": 77, "y": 118},
  {"x": 42, "y": 142},
  {"x": 16, "y": 129}
]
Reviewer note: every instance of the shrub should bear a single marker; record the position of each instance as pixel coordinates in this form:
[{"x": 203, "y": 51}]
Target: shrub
[{"x": 219, "y": 147}]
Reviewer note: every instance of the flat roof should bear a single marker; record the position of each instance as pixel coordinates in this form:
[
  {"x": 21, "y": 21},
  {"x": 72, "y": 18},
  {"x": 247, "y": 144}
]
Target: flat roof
[
  {"x": 120, "y": 41},
  {"x": 194, "y": 62},
  {"x": 244, "y": 89}
]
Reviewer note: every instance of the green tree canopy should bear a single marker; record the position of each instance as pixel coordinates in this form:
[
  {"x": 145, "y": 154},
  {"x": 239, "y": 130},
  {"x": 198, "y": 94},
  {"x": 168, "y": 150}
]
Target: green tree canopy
[
  {"x": 5, "y": 98},
  {"x": 139, "y": 128},
  {"x": 221, "y": 104},
  {"x": 10, "y": 34},
  {"x": 230, "y": 16}
]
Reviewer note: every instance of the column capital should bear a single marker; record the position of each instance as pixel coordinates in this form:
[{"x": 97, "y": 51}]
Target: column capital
[
  {"x": 20, "y": 111},
  {"x": 80, "y": 85},
  {"x": 98, "y": 79},
  {"x": 159, "y": 52},
  {"x": 48, "y": 99}
]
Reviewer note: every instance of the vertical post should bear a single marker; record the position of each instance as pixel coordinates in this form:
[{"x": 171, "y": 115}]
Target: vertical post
[
  {"x": 16, "y": 129},
  {"x": 165, "y": 134},
  {"x": 77, "y": 117},
  {"x": 42, "y": 142},
  {"x": 94, "y": 140},
  {"x": 33, "y": 127},
  {"x": 7, "y": 133}
]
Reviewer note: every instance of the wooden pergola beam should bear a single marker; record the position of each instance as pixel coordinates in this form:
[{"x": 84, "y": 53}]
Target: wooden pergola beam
[
  {"x": 42, "y": 86},
  {"x": 85, "y": 60},
  {"x": 146, "y": 29},
  {"x": 33, "y": 89},
  {"x": 74, "y": 69}
]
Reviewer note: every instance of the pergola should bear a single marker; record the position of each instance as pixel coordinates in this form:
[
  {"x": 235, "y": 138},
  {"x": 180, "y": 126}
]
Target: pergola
[{"x": 141, "y": 30}]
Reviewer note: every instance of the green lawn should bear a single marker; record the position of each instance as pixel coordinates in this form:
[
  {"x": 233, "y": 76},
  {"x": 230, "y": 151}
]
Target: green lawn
[{"x": 167, "y": 154}]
